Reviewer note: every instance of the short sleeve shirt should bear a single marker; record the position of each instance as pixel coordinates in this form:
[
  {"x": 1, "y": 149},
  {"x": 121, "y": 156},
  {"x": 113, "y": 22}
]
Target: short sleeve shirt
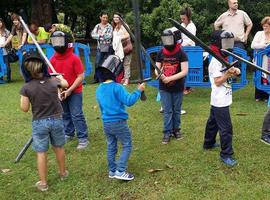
[
  {"x": 221, "y": 96},
  {"x": 171, "y": 65},
  {"x": 43, "y": 96},
  {"x": 234, "y": 23}
]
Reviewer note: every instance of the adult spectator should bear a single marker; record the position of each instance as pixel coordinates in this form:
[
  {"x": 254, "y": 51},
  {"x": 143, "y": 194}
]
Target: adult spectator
[
  {"x": 4, "y": 34},
  {"x": 39, "y": 34},
  {"x": 17, "y": 29},
  {"x": 261, "y": 41},
  {"x": 103, "y": 33},
  {"x": 185, "y": 16},
  {"x": 120, "y": 35},
  {"x": 235, "y": 21}
]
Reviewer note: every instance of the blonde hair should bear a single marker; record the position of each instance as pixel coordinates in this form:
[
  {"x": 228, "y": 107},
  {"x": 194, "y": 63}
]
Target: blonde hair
[
  {"x": 265, "y": 20},
  {"x": 34, "y": 67}
]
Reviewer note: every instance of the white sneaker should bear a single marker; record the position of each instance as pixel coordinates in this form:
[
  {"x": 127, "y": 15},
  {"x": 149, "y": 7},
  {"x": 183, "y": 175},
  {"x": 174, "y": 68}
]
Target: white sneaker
[
  {"x": 82, "y": 145},
  {"x": 183, "y": 112}
]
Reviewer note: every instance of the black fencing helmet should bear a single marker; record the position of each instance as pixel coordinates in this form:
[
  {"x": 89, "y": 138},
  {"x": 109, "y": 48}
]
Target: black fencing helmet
[
  {"x": 168, "y": 39},
  {"x": 110, "y": 68},
  {"x": 33, "y": 55},
  {"x": 222, "y": 39},
  {"x": 60, "y": 41}
]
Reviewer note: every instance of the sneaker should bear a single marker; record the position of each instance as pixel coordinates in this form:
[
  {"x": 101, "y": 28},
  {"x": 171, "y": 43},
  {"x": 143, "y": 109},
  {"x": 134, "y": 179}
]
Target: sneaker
[
  {"x": 41, "y": 187},
  {"x": 178, "y": 135},
  {"x": 64, "y": 176},
  {"x": 123, "y": 176},
  {"x": 266, "y": 139},
  {"x": 111, "y": 174},
  {"x": 183, "y": 112},
  {"x": 161, "y": 110},
  {"x": 228, "y": 161},
  {"x": 166, "y": 140},
  {"x": 214, "y": 146},
  {"x": 68, "y": 138},
  {"x": 82, "y": 145}
]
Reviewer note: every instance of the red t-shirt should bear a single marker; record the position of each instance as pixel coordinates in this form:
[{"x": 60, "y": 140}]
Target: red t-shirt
[{"x": 70, "y": 65}]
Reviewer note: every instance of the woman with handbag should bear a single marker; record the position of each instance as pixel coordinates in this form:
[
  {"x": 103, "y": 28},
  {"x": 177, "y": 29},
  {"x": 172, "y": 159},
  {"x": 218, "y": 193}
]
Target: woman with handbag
[
  {"x": 122, "y": 46},
  {"x": 4, "y": 34},
  {"x": 102, "y": 32}
]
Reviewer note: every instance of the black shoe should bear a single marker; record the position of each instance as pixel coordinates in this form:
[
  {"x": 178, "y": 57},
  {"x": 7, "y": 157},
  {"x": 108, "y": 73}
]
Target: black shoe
[
  {"x": 265, "y": 139},
  {"x": 178, "y": 135},
  {"x": 214, "y": 146},
  {"x": 166, "y": 140}
]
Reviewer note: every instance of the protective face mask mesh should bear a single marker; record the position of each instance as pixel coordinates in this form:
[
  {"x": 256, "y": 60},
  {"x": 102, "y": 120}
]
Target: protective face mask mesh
[
  {"x": 167, "y": 40},
  {"x": 227, "y": 43},
  {"x": 58, "y": 41}
]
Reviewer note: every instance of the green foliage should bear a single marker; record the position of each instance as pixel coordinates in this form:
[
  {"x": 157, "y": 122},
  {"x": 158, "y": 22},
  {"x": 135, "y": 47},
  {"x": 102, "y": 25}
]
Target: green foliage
[{"x": 154, "y": 23}]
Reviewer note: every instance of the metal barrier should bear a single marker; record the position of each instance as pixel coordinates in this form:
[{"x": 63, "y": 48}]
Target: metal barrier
[
  {"x": 195, "y": 77},
  {"x": 49, "y": 51}
]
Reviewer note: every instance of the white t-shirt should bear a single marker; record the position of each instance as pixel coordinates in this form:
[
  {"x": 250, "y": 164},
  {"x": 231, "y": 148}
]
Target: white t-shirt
[
  {"x": 186, "y": 41},
  {"x": 221, "y": 96}
]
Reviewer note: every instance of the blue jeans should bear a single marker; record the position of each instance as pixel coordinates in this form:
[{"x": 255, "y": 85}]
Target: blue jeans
[
  {"x": 46, "y": 130},
  {"x": 8, "y": 68},
  {"x": 115, "y": 131},
  {"x": 171, "y": 103},
  {"x": 73, "y": 117}
]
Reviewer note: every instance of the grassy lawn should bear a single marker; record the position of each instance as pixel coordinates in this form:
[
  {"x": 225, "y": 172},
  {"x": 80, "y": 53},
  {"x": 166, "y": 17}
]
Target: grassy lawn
[{"x": 188, "y": 171}]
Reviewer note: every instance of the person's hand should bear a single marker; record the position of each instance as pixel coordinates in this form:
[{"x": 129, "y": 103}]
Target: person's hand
[
  {"x": 20, "y": 46},
  {"x": 65, "y": 94},
  {"x": 141, "y": 86},
  {"x": 237, "y": 72}
]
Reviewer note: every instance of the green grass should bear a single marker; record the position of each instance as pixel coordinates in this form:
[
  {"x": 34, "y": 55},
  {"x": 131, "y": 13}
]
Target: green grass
[{"x": 195, "y": 174}]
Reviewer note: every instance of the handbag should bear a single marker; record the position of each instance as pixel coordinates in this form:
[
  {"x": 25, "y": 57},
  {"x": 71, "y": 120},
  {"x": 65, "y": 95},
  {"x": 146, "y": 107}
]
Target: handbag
[
  {"x": 127, "y": 46},
  {"x": 12, "y": 56},
  {"x": 104, "y": 48}
]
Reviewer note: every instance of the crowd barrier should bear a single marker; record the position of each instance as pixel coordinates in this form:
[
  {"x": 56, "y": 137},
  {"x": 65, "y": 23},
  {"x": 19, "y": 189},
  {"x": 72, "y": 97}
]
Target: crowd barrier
[
  {"x": 197, "y": 72},
  {"x": 262, "y": 57},
  {"x": 82, "y": 50}
]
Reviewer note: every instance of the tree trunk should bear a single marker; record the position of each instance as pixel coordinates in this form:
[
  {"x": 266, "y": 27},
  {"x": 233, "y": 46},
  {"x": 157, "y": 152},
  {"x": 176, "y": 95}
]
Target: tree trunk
[
  {"x": 73, "y": 22},
  {"x": 42, "y": 11}
]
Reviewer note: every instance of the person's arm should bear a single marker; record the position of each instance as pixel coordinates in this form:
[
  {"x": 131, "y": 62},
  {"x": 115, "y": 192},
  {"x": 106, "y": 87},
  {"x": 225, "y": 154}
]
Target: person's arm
[
  {"x": 24, "y": 36},
  {"x": 218, "y": 23},
  {"x": 25, "y": 103},
  {"x": 62, "y": 82},
  {"x": 229, "y": 73},
  {"x": 75, "y": 84},
  {"x": 179, "y": 75},
  {"x": 94, "y": 32},
  {"x": 248, "y": 29},
  {"x": 7, "y": 41},
  {"x": 127, "y": 98}
]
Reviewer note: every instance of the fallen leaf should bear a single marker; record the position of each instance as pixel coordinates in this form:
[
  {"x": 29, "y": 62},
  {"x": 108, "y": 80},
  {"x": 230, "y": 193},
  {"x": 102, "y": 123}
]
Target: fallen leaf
[
  {"x": 241, "y": 114},
  {"x": 169, "y": 166},
  {"x": 154, "y": 170},
  {"x": 5, "y": 170}
]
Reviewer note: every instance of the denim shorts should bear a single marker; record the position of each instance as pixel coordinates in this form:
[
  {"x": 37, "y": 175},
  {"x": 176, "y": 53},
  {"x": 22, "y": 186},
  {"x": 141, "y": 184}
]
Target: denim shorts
[{"x": 45, "y": 130}]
